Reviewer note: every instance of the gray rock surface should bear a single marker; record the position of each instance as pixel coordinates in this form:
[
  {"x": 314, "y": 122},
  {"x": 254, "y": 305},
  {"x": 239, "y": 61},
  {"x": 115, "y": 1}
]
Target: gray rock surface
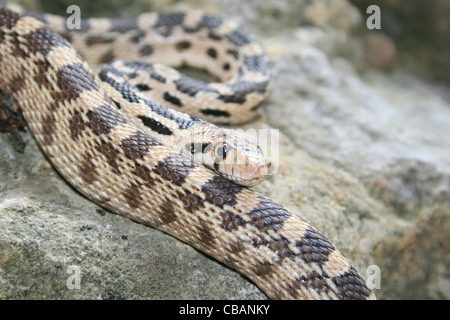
[{"x": 363, "y": 156}]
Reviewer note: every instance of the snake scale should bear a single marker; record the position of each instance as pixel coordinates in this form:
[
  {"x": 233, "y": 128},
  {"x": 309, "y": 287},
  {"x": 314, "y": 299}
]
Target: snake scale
[{"x": 119, "y": 164}]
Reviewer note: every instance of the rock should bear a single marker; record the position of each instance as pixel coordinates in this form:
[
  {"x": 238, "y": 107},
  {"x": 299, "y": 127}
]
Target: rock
[{"x": 362, "y": 157}]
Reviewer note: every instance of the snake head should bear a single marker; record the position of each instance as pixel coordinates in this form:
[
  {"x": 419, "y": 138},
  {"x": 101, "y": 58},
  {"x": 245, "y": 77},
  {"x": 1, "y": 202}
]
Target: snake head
[
  {"x": 242, "y": 163},
  {"x": 232, "y": 156}
]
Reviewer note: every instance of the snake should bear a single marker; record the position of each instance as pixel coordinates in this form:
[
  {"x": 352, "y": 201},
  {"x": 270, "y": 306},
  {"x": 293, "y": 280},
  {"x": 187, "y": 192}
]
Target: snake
[{"x": 123, "y": 164}]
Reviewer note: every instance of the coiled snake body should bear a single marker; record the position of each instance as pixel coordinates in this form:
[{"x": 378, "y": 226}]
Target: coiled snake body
[{"x": 119, "y": 164}]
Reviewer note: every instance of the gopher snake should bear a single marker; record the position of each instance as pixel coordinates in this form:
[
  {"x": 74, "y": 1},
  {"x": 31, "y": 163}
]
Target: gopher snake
[{"x": 115, "y": 163}]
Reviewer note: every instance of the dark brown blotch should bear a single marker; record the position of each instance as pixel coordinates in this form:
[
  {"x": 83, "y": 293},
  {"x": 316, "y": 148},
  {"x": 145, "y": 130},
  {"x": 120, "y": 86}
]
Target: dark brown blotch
[
  {"x": 77, "y": 125},
  {"x": 143, "y": 87},
  {"x": 155, "y": 125},
  {"x": 214, "y": 36},
  {"x": 312, "y": 279},
  {"x": 237, "y": 246},
  {"x": 48, "y": 129},
  {"x": 314, "y": 247},
  {"x": 234, "y": 53},
  {"x": 94, "y": 40},
  {"x": 212, "y": 53},
  {"x": 182, "y": 45},
  {"x": 280, "y": 246},
  {"x": 191, "y": 86},
  {"x": 107, "y": 57},
  {"x": 243, "y": 88},
  {"x": 263, "y": 269},
  {"x": 44, "y": 40},
  {"x": 111, "y": 154},
  {"x": 103, "y": 119},
  {"x": 73, "y": 80},
  {"x": 174, "y": 169},
  {"x": 156, "y": 76},
  {"x": 220, "y": 191},
  {"x": 172, "y": 99},
  {"x": 171, "y": 170},
  {"x": 132, "y": 195},
  {"x": 191, "y": 202},
  {"x": 19, "y": 49},
  {"x": 145, "y": 174},
  {"x": 351, "y": 286},
  {"x": 191, "y": 29},
  {"x": 204, "y": 231},
  {"x": 169, "y": 19},
  {"x": 231, "y": 221},
  {"x": 8, "y": 18},
  {"x": 17, "y": 84},
  {"x": 166, "y": 212},
  {"x": 146, "y": 50},
  {"x": 268, "y": 215},
  {"x": 87, "y": 170},
  {"x": 41, "y": 77},
  {"x": 137, "y": 145}
]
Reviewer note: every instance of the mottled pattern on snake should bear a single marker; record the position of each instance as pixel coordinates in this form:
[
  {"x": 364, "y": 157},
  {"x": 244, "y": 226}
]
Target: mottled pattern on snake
[{"x": 115, "y": 164}]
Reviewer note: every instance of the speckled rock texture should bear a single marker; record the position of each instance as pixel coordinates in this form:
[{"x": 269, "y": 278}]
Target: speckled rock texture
[{"x": 363, "y": 156}]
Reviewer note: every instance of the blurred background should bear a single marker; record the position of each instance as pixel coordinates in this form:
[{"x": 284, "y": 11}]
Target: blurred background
[{"x": 420, "y": 31}]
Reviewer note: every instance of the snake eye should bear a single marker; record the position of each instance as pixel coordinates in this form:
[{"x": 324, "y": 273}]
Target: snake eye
[{"x": 221, "y": 151}]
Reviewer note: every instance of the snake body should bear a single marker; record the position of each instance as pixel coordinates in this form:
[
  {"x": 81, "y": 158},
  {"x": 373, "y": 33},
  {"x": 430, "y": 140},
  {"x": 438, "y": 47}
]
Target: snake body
[{"x": 117, "y": 164}]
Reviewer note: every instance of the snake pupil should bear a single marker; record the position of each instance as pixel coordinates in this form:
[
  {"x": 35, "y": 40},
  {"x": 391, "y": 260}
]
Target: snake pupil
[{"x": 221, "y": 152}]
